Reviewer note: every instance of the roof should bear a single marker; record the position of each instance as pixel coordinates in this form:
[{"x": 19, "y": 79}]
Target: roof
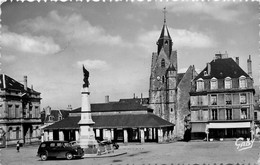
[
  {"x": 115, "y": 121},
  {"x": 135, "y": 101},
  {"x": 56, "y": 114},
  {"x": 115, "y": 106},
  {"x": 222, "y": 68},
  {"x": 165, "y": 32},
  {"x": 171, "y": 68},
  {"x": 10, "y": 83},
  {"x": 179, "y": 77}
]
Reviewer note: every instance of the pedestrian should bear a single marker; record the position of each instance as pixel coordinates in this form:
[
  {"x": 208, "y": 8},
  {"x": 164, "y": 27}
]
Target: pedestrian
[{"x": 18, "y": 146}]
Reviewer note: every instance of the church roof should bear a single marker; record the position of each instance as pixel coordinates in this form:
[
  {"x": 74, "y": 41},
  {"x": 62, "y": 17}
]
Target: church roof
[
  {"x": 171, "y": 68},
  {"x": 114, "y": 121},
  {"x": 222, "y": 68},
  {"x": 165, "y": 32},
  {"x": 7, "y": 82}
]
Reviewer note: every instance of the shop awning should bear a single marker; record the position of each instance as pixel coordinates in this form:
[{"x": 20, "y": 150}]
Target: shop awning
[
  {"x": 198, "y": 127},
  {"x": 229, "y": 125}
]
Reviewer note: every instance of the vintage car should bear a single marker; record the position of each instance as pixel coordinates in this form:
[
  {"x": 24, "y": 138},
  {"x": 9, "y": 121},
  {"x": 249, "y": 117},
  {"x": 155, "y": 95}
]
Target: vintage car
[{"x": 59, "y": 149}]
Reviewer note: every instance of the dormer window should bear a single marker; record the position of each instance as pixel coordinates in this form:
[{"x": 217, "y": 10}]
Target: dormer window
[
  {"x": 200, "y": 85},
  {"x": 242, "y": 82},
  {"x": 163, "y": 63},
  {"x": 213, "y": 83},
  {"x": 228, "y": 83}
]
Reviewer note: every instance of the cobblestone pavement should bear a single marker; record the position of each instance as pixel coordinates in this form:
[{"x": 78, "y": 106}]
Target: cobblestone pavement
[{"x": 152, "y": 153}]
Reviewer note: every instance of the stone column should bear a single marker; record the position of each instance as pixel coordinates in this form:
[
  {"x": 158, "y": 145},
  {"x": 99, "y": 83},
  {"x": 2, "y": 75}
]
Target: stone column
[
  {"x": 61, "y": 136},
  {"x": 50, "y": 135},
  {"x": 112, "y": 134},
  {"x": 46, "y": 136},
  {"x": 142, "y": 135},
  {"x": 104, "y": 134},
  {"x": 125, "y": 136},
  {"x": 77, "y": 135},
  {"x": 160, "y": 135},
  {"x": 87, "y": 135}
]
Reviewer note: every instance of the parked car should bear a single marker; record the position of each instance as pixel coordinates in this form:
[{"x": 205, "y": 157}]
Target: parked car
[
  {"x": 107, "y": 142},
  {"x": 59, "y": 149}
]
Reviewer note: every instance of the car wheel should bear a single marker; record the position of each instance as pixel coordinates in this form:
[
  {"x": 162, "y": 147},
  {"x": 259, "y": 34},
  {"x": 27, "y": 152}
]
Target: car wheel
[
  {"x": 44, "y": 156},
  {"x": 69, "y": 156}
]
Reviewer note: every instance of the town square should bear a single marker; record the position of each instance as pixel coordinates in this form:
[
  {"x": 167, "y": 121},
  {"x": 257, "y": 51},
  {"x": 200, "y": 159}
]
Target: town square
[
  {"x": 124, "y": 82},
  {"x": 152, "y": 153}
]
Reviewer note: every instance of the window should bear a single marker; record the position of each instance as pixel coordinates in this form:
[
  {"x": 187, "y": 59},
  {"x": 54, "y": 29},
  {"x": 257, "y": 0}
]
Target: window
[
  {"x": 214, "y": 113},
  {"x": 17, "y": 115},
  {"x": 213, "y": 83},
  {"x": 242, "y": 82},
  {"x": 163, "y": 63},
  {"x": 255, "y": 115},
  {"x": 52, "y": 144},
  {"x": 243, "y": 113},
  {"x": 43, "y": 145},
  {"x": 228, "y": 99},
  {"x": 243, "y": 99},
  {"x": 200, "y": 115},
  {"x": 213, "y": 99},
  {"x": 163, "y": 79},
  {"x": 200, "y": 84},
  {"x": 228, "y": 83},
  {"x": 60, "y": 118},
  {"x": 229, "y": 114}
]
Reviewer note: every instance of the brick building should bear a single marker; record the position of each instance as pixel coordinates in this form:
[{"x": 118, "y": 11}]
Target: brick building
[
  {"x": 19, "y": 112},
  {"x": 169, "y": 90},
  {"x": 222, "y": 100}
]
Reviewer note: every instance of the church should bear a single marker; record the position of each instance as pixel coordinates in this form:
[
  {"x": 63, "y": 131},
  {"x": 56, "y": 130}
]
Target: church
[{"x": 169, "y": 90}]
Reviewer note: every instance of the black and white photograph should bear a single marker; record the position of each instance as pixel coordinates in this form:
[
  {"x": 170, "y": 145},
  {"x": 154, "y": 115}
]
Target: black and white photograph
[{"x": 120, "y": 82}]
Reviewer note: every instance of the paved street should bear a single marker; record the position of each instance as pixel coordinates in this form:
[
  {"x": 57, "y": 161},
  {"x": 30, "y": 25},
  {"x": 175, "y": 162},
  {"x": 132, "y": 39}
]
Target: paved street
[{"x": 152, "y": 153}]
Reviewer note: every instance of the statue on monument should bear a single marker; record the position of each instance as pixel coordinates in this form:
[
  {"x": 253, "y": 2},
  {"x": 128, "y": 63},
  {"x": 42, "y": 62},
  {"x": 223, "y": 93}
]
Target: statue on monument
[{"x": 86, "y": 76}]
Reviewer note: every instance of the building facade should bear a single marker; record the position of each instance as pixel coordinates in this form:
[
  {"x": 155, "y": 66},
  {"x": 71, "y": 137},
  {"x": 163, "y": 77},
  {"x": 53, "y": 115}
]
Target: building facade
[
  {"x": 19, "y": 112},
  {"x": 222, "y": 101},
  {"x": 169, "y": 90}
]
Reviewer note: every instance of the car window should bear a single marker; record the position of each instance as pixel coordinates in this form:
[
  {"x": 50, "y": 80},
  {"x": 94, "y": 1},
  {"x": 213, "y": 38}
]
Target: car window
[
  {"x": 52, "y": 145},
  {"x": 67, "y": 144},
  {"x": 59, "y": 144},
  {"x": 43, "y": 145}
]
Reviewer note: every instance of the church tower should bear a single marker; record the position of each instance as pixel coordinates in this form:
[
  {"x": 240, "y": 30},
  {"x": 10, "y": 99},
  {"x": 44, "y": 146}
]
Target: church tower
[{"x": 162, "y": 91}]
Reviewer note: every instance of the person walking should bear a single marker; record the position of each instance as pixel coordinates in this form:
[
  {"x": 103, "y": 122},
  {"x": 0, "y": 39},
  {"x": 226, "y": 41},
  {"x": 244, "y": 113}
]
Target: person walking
[{"x": 18, "y": 146}]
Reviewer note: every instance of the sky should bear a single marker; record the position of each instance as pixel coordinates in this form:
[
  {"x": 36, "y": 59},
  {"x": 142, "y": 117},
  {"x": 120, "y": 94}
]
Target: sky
[{"x": 49, "y": 42}]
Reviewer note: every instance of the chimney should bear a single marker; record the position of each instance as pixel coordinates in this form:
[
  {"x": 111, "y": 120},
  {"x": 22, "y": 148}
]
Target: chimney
[
  {"x": 32, "y": 87},
  {"x": 208, "y": 68},
  {"x": 25, "y": 82},
  {"x": 237, "y": 60},
  {"x": 249, "y": 66},
  {"x": 134, "y": 95},
  {"x": 106, "y": 99}
]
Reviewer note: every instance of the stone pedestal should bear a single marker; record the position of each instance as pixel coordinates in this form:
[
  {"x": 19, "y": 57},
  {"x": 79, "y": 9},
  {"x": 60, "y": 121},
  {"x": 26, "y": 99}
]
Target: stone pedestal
[{"x": 87, "y": 136}]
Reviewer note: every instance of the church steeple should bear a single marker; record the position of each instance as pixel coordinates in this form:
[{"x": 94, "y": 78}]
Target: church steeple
[{"x": 165, "y": 40}]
